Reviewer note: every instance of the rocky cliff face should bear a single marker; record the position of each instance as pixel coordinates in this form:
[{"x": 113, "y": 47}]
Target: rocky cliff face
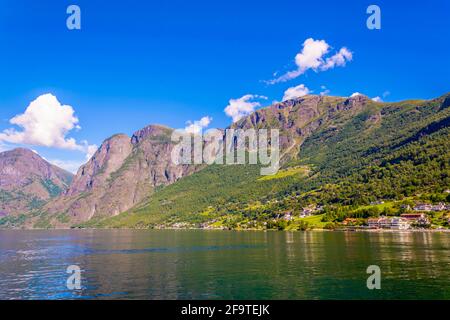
[
  {"x": 27, "y": 181},
  {"x": 125, "y": 171},
  {"x": 298, "y": 118},
  {"x": 108, "y": 159},
  {"x": 122, "y": 173}
]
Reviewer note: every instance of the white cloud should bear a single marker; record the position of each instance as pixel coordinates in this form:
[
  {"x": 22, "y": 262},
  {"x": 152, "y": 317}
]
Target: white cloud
[
  {"x": 45, "y": 122},
  {"x": 239, "y": 108},
  {"x": 197, "y": 126},
  {"x": 386, "y": 93},
  {"x": 339, "y": 59},
  {"x": 325, "y": 91},
  {"x": 296, "y": 92},
  {"x": 68, "y": 165},
  {"x": 312, "y": 57},
  {"x": 376, "y": 99}
]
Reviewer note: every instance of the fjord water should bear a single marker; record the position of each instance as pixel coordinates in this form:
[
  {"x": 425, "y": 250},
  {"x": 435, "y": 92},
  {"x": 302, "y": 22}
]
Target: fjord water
[{"x": 194, "y": 264}]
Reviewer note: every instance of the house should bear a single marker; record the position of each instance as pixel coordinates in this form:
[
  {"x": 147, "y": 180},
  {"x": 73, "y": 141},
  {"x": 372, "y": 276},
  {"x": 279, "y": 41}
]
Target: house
[
  {"x": 422, "y": 207},
  {"x": 373, "y": 222},
  {"x": 385, "y": 223},
  {"x": 306, "y": 212},
  {"x": 180, "y": 225},
  {"x": 350, "y": 221},
  {"x": 377, "y": 223},
  {"x": 400, "y": 224},
  {"x": 396, "y": 223},
  {"x": 419, "y": 218},
  {"x": 406, "y": 207},
  {"x": 310, "y": 210},
  {"x": 414, "y": 216},
  {"x": 430, "y": 207},
  {"x": 288, "y": 216}
]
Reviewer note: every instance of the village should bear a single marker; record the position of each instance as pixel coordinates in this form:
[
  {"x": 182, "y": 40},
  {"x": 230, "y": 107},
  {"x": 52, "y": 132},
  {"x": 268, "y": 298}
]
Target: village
[
  {"x": 415, "y": 218},
  {"x": 378, "y": 215}
]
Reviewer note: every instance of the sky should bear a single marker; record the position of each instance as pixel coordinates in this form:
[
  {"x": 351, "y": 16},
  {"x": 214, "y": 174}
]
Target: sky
[{"x": 198, "y": 64}]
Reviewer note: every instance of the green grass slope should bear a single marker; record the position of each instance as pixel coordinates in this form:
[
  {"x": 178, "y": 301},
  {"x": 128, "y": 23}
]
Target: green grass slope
[{"x": 386, "y": 151}]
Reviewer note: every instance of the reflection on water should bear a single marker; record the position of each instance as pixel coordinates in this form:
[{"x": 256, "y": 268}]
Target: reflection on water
[{"x": 141, "y": 264}]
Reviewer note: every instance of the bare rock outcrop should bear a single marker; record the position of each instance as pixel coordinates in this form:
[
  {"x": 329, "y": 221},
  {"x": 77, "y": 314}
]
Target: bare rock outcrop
[{"x": 122, "y": 173}]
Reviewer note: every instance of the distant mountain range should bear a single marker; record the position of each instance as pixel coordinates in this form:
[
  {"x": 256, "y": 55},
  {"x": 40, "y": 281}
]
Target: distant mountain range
[
  {"x": 27, "y": 181},
  {"x": 335, "y": 151}
]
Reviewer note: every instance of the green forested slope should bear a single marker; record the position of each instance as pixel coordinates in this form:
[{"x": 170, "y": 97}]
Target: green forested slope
[{"x": 383, "y": 151}]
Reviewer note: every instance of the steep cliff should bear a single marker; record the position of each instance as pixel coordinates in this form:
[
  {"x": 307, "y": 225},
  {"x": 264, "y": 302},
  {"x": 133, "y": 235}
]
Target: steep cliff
[{"x": 120, "y": 174}]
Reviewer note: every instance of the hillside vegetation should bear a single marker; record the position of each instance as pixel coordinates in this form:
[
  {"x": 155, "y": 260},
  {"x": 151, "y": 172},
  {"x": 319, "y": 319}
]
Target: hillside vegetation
[{"x": 348, "y": 155}]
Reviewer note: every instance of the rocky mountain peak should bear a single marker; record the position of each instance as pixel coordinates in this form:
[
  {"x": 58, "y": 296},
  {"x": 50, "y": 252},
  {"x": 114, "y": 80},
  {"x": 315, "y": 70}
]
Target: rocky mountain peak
[
  {"x": 125, "y": 172},
  {"x": 106, "y": 160},
  {"x": 19, "y": 166},
  {"x": 20, "y": 151},
  {"x": 26, "y": 180},
  {"x": 122, "y": 173},
  {"x": 357, "y": 102},
  {"x": 153, "y": 130}
]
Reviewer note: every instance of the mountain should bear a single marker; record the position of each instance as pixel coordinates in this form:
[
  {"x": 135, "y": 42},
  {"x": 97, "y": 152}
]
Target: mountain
[
  {"x": 120, "y": 174},
  {"x": 338, "y": 153},
  {"x": 27, "y": 181}
]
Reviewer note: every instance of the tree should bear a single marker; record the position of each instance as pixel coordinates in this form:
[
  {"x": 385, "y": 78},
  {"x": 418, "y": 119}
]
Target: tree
[{"x": 303, "y": 226}]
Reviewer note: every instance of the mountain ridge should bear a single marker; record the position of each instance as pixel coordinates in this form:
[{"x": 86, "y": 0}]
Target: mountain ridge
[
  {"x": 126, "y": 173},
  {"x": 334, "y": 151},
  {"x": 27, "y": 181}
]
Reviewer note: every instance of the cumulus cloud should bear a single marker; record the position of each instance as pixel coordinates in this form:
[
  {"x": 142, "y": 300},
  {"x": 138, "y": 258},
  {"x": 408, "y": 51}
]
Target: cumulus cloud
[
  {"x": 197, "y": 126},
  {"x": 239, "y": 108},
  {"x": 338, "y": 60},
  {"x": 46, "y": 122},
  {"x": 312, "y": 56},
  {"x": 356, "y": 94},
  {"x": 377, "y": 99},
  {"x": 296, "y": 92}
]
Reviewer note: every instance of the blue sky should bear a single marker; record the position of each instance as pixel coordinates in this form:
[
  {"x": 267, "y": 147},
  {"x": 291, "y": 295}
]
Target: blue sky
[{"x": 136, "y": 62}]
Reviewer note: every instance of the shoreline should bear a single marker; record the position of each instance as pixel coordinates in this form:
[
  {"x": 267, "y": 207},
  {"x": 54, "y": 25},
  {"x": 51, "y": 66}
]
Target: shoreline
[{"x": 240, "y": 230}]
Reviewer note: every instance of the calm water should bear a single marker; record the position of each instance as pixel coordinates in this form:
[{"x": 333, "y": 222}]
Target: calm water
[{"x": 125, "y": 264}]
